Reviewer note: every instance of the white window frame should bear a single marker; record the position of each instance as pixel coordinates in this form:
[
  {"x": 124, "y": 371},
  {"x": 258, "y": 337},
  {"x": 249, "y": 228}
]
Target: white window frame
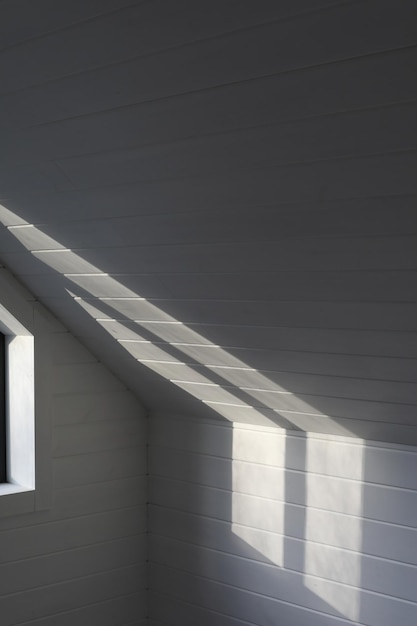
[{"x": 27, "y": 428}]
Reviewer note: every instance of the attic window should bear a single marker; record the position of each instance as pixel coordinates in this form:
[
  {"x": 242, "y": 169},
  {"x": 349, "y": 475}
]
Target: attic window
[
  {"x": 2, "y": 409},
  {"x": 17, "y": 436}
]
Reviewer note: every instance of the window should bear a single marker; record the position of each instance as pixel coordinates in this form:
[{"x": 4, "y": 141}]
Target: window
[
  {"x": 18, "y": 425},
  {"x": 2, "y": 410},
  {"x": 24, "y": 326}
]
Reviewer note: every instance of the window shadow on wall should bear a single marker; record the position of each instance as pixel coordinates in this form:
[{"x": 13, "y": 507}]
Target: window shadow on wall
[
  {"x": 287, "y": 533},
  {"x": 270, "y": 542}
]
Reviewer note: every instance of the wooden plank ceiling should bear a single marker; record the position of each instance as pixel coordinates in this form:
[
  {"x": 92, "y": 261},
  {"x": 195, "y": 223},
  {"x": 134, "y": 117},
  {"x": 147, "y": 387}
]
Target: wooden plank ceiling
[{"x": 219, "y": 198}]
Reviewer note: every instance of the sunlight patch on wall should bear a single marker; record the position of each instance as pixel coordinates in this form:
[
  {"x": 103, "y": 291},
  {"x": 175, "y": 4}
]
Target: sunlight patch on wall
[
  {"x": 258, "y": 500},
  {"x": 298, "y": 501},
  {"x": 267, "y": 483},
  {"x": 327, "y": 489}
]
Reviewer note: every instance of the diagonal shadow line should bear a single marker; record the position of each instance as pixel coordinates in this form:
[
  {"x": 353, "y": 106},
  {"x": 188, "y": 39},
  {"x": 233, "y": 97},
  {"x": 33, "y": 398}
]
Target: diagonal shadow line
[
  {"x": 213, "y": 377},
  {"x": 337, "y": 417},
  {"x": 193, "y": 363}
]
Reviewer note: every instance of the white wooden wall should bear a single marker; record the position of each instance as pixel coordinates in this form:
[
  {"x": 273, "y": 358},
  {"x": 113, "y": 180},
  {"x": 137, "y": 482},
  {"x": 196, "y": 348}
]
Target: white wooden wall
[
  {"x": 81, "y": 560},
  {"x": 246, "y": 167},
  {"x": 252, "y": 526}
]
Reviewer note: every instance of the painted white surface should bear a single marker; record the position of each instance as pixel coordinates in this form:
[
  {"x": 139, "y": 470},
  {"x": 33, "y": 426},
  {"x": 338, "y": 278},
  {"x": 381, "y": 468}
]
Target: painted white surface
[
  {"x": 234, "y": 174},
  {"x": 20, "y": 398},
  {"x": 255, "y": 525},
  {"x": 240, "y": 176},
  {"x": 78, "y": 555},
  {"x": 21, "y": 411}
]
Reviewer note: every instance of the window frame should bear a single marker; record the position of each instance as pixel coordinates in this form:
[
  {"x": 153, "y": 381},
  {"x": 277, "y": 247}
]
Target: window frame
[
  {"x": 3, "y": 401},
  {"x": 26, "y": 326}
]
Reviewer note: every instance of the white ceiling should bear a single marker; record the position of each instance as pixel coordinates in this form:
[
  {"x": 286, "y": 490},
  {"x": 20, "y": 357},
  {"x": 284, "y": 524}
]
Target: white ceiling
[{"x": 222, "y": 195}]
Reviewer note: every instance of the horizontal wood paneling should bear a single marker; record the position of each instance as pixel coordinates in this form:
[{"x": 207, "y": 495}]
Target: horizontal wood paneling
[
  {"x": 387, "y": 254},
  {"x": 384, "y": 577},
  {"x": 72, "y": 594},
  {"x": 73, "y": 561},
  {"x": 87, "y": 407},
  {"x": 309, "y": 339},
  {"x": 67, "y": 352},
  {"x": 244, "y": 389},
  {"x": 332, "y": 135},
  {"x": 33, "y": 178},
  {"x": 335, "y": 136},
  {"x": 347, "y": 315},
  {"x": 52, "y": 568},
  {"x": 114, "y": 202},
  {"x": 100, "y": 466},
  {"x": 258, "y": 163},
  {"x": 258, "y": 101},
  {"x": 55, "y": 100},
  {"x": 253, "y": 525},
  {"x": 390, "y": 467},
  {"x": 245, "y": 286},
  {"x": 354, "y": 217},
  {"x": 139, "y": 32},
  {"x": 334, "y": 179},
  {"x": 166, "y": 608},
  {"x": 21, "y": 20},
  {"x": 108, "y": 613},
  {"x": 249, "y": 55},
  {"x": 68, "y": 533},
  {"x": 261, "y": 610},
  {"x": 363, "y": 366},
  {"x": 386, "y": 542},
  {"x": 215, "y": 439},
  {"x": 85, "y": 438},
  {"x": 263, "y": 514},
  {"x": 86, "y": 499}
]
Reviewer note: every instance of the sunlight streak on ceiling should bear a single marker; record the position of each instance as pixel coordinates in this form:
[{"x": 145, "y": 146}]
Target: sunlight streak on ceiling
[{"x": 187, "y": 359}]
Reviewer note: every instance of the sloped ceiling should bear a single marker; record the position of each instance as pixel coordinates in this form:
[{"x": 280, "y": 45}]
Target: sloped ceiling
[{"x": 219, "y": 198}]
